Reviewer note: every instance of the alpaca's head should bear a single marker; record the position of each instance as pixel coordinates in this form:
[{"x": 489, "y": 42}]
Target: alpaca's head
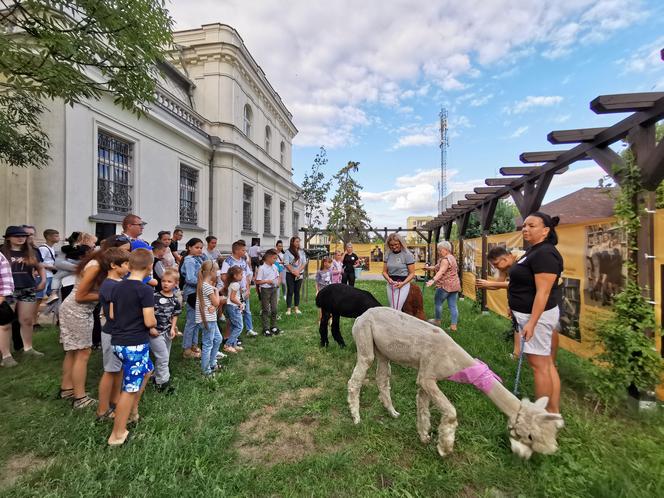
[{"x": 534, "y": 429}]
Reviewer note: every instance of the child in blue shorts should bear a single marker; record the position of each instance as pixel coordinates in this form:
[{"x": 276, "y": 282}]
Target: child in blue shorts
[{"x": 132, "y": 310}]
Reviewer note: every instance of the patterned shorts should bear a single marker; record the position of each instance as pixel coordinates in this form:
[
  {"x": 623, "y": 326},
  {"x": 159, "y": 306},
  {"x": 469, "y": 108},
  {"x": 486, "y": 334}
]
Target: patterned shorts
[
  {"x": 27, "y": 295},
  {"x": 136, "y": 363}
]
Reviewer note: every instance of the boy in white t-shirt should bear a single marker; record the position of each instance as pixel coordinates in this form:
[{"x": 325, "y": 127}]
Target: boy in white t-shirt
[
  {"x": 267, "y": 278},
  {"x": 48, "y": 254}
]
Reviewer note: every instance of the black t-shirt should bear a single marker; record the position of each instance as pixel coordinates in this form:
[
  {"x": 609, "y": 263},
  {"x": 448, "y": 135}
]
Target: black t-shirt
[
  {"x": 129, "y": 297},
  {"x": 22, "y": 272},
  {"x": 349, "y": 262},
  {"x": 105, "y": 296},
  {"x": 540, "y": 258},
  {"x": 173, "y": 246}
]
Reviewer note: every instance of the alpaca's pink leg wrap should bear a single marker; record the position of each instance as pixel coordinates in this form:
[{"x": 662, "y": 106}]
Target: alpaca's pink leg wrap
[{"x": 478, "y": 375}]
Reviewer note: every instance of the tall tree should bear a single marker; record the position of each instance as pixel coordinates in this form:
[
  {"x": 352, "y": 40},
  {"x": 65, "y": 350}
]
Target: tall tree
[
  {"x": 503, "y": 221},
  {"x": 73, "y": 50},
  {"x": 313, "y": 193},
  {"x": 347, "y": 218}
]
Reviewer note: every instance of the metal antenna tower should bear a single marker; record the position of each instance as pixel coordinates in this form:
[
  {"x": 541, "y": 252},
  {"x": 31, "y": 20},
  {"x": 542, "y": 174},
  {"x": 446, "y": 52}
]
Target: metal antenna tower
[{"x": 444, "y": 144}]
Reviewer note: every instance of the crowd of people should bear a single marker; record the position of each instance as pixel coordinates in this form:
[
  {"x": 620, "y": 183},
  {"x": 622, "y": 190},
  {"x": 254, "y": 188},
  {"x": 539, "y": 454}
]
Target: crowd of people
[{"x": 141, "y": 288}]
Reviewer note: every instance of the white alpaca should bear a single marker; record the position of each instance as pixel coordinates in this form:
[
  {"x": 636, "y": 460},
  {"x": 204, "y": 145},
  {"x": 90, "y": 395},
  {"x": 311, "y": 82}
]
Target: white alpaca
[{"x": 389, "y": 335}]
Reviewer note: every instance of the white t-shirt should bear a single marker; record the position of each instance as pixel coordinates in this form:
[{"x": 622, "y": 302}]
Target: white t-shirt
[
  {"x": 242, "y": 263},
  {"x": 233, "y": 287},
  {"x": 268, "y": 272},
  {"x": 48, "y": 255},
  {"x": 210, "y": 316},
  {"x": 254, "y": 251},
  {"x": 212, "y": 255}
]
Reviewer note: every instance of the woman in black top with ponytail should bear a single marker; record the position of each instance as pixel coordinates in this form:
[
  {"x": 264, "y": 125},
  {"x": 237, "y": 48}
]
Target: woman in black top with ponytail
[{"x": 533, "y": 295}]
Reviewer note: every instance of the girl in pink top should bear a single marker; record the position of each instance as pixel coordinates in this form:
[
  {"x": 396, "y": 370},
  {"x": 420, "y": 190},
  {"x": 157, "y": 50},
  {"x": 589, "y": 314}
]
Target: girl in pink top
[
  {"x": 447, "y": 284},
  {"x": 337, "y": 267}
]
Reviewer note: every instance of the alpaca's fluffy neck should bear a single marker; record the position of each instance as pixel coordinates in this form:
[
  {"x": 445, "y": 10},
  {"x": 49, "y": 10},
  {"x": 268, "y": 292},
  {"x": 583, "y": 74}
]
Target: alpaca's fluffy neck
[{"x": 504, "y": 400}]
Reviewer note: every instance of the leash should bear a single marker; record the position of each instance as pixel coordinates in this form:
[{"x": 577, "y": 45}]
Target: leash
[{"x": 518, "y": 367}]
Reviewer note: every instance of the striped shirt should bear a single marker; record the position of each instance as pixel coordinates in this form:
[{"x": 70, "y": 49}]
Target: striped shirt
[
  {"x": 210, "y": 316},
  {"x": 6, "y": 278}
]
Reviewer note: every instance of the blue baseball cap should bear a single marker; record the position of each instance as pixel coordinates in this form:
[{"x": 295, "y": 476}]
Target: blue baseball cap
[{"x": 140, "y": 244}]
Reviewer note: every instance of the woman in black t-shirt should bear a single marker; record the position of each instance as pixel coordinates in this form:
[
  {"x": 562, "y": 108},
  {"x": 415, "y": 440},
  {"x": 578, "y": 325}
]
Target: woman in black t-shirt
[
  {"x": 533, "y": 295},
  {"x": 350, "y": 262}
]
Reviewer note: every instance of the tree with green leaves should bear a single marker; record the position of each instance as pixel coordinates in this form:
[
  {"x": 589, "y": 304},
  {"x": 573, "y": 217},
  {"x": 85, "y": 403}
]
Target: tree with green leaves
[
  {"x": 347, "y": 218},
  {"x": 313, "y": 192},
  {"x": 73, "y": 50},
  {"x": 503, "y": 221}
]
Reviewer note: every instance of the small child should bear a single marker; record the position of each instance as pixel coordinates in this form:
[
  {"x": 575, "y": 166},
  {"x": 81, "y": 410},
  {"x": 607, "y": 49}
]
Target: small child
[
  {"x": 207, "y": 302},
  {"x": 337, "y": 267},
  {"x": 324, "y": 274},
  {"x": 141, "y": 244},
  {"x": 234, "y": 308},
  {"x": 267, "y": 279},
  {"x": 115, "y": 263},
  {"x": 158, "y": 251},
  {"x": 167, "y": 308},
  {"x": 132, "y": 309}
]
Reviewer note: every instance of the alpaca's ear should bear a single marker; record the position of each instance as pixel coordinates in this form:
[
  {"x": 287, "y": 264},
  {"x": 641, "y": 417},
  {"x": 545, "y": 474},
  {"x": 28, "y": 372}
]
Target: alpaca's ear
[{"x": 542, "y": 402}]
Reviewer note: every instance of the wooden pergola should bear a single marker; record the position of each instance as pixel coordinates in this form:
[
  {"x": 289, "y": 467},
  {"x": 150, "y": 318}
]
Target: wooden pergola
[{"x": 527, "y": 185}]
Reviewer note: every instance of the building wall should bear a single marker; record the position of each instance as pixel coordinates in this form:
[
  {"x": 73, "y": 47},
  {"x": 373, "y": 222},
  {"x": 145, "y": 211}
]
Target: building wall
[{"x": 416, "y": 222}]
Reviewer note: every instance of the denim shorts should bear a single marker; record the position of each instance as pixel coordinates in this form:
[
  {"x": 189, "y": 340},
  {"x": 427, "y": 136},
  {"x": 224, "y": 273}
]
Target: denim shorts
[
  {"x": 47, "y": 290},
  {"x": 136, "y": 363}
]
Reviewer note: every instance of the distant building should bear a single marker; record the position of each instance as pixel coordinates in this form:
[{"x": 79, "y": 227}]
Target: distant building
[
  {"x": 450, "y": 199},
  {"x": 213, "y": 154},
  {"x": 581, "y": 206},
  {"x": 416, "y": 222}
]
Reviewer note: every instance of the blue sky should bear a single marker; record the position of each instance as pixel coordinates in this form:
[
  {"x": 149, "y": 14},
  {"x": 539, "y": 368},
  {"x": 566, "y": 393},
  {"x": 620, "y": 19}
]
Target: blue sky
[{"x": 367, "y": 81}]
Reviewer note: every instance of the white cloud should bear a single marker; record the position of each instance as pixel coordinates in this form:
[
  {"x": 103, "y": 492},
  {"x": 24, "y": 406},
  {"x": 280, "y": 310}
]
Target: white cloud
[
  {"x": 562, "y": 118},
  {"x": 533, "y": 101},
  {"x": 340, "y": 56},
  {"x": 644, "y": 60},
  {"x": 480, "y": 101},
  {"x": 415, "y": 135},
  {"x": 519, "y": 131}
]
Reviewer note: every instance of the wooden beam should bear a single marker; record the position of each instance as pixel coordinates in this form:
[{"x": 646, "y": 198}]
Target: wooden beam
[
  {"x": 487, "y": 190},
  {"x": 625, "y": 102},
  {"x": 652, "y": 171},
  {"x": 487, "y": 213},
  {"x": 448, "y": 230},
  {"x": 574, "y": 136},
  {"x": 425, "y": 237},
  {"x": 462, "y": 223},
  {"x": 498, "y": 182},
  {"x": 477, "y": 197},
  {"x": 607, "y": 159},
  {"x": 464, "y": 202},
  {"x": 525, "y": 170},
  {"x": 536, "y": 198},
  {"x": 546, "y": 156}
]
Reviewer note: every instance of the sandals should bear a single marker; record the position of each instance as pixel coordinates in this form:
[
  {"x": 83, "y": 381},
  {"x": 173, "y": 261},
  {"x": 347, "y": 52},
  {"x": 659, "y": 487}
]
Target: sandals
[
  {"x": 83, "y": 402},
  {"x": 107, "y": 415},
  {"x": 66, "y": 393}
]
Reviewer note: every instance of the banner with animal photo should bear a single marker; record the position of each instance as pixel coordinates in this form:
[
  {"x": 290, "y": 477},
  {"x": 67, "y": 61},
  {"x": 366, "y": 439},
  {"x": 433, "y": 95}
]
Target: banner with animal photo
[{"x": 471, "y": 265}]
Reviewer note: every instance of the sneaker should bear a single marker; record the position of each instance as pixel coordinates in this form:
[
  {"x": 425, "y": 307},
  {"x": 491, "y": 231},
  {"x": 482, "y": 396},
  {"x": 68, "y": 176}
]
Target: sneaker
[
  {"x": 221, "y": 355},
  {"x": 239, "y": 343},
  {"x": 276, "y": 331},
  {"x": 8, "y": 362},
  {"x": 52, "y": 299},
  {"x": 165, "y": 388},
  {"x": 266, "y": 333},
  {"x": 32, "y": 352},
  {"x": 288, "y": 312},
  {"x": 251, "y": 333}
]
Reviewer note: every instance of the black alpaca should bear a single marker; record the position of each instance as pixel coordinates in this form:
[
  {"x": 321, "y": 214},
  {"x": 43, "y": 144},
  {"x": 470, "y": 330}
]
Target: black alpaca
[{"x": 337, "y": 300}]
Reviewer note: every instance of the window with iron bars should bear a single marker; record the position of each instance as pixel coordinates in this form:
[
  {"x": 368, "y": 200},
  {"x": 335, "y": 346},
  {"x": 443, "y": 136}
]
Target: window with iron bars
[
  {"x": 282, "y": 218},
  {"x": 267, "y": 213},
  {"x": 114, "y": 174},
  {"x": 188, "y": 188},
  {"x": 247, "y": 201}
]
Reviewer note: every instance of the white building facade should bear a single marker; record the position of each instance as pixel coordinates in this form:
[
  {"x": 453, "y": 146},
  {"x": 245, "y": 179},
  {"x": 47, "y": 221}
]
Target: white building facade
[{"x": 212, "y": 156}]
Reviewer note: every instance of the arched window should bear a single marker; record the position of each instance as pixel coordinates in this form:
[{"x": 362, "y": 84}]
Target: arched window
[
  {"x": 268, "y": 137},
  {"x": 283, "y": 152},
  {"x": 248, "y": 117}
]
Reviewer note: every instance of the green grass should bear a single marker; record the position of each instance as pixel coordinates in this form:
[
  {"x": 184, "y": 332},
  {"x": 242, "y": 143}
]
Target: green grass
[{"x": 276, "y": 423}]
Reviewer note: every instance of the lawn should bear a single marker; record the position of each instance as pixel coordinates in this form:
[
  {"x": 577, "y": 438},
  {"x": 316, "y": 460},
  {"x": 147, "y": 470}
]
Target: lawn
[{"x": 276, "y": 423}]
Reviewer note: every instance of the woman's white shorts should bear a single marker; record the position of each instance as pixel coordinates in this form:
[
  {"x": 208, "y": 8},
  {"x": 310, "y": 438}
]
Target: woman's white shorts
[{"x": 540, "y": 343}]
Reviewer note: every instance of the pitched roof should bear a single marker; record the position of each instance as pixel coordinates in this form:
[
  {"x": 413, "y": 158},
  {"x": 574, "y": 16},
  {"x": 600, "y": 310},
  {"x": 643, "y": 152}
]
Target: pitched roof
[{"x": 585, "y": 204}]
